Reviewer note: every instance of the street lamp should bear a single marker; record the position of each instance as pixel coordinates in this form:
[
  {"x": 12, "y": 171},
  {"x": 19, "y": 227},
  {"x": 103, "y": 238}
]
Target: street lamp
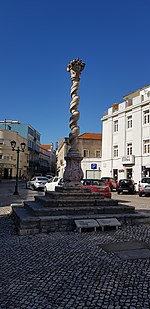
[{"x": 17, "y": 149}]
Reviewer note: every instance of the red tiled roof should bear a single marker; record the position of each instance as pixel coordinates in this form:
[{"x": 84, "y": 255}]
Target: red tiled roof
[
  {"x": 46, "y": 147},
  {"x": 97, "y": 136}
]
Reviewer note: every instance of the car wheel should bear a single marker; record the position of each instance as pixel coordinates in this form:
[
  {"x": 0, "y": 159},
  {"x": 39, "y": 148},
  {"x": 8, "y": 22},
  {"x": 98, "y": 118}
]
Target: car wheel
[
  {"x": 140, "y": 194},
  {"x": 118, "y": 192}
]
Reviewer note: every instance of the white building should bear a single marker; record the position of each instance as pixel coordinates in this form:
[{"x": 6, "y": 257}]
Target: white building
[{"x": 126, "y": 137}]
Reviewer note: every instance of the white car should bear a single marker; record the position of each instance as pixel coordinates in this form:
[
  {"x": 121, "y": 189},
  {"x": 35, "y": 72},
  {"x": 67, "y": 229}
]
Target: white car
[
  {"x": 56, "y": 181},
  {"x": 49, "y": 177},
  {"x": 36, "y": 183},
  {"x": 144, "y": 186}
]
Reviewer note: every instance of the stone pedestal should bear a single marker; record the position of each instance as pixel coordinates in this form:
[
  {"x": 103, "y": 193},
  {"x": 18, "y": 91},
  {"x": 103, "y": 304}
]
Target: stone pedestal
[{"x": 73, "y": 173}]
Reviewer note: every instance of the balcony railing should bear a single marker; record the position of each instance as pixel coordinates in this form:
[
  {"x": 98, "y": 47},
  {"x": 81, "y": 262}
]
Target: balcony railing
[{"x": 128, "y": 160}]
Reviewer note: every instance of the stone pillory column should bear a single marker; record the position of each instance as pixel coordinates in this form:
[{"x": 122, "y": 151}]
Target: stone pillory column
[{"x": 73, "y": 172}]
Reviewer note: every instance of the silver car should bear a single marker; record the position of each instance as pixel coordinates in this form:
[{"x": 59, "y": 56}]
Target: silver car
[
  {"x": 144, "y": 186},
  {"x": 37, "y": 183}
]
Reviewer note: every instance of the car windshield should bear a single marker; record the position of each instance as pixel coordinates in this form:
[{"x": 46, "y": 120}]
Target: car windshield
[
  {"x": 50, "y": 180},
  {"x": 125, "y": 181},
  {"x": 42, "y": 178},
  {"x": 97, "y": 182},
  {"x": 92, "y": 182}
]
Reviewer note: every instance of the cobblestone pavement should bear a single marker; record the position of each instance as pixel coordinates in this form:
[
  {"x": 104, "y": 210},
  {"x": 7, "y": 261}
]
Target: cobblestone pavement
[
  {"x": 71, "y": 270},
  {"x": 7, "y": 189}
]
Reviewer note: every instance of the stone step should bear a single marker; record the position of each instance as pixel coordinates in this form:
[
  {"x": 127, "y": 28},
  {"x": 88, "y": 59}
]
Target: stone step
[
  {"x": 39, "y": 210},
  {"x": 27, "y": 223},
  {"x": 72, "y": 195},
  {"x": 90, "y": 199}
]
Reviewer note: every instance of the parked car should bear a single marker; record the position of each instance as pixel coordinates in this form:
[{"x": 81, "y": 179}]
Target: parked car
[
  {"x": 111, "y": 182},
  {"x": 36, "y": 183},
  {"x": 97, "y": 186},
  {"x": 49, "y": 176},
  {"x": 126, "y": 185},
  {"x": 52, "y": 183},
  {"x": 144, "y": 186}
]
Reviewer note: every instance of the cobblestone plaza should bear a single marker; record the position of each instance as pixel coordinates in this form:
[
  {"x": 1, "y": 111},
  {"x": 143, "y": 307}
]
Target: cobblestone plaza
[{"x": 72, "y": 270}]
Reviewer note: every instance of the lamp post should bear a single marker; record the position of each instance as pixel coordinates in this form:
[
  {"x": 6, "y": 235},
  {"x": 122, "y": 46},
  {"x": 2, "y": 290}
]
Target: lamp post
[{"x": 17, "y": 149}]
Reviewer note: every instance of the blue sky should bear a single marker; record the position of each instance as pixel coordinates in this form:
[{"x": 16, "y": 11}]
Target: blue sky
[{"x": 38, "y": 38}]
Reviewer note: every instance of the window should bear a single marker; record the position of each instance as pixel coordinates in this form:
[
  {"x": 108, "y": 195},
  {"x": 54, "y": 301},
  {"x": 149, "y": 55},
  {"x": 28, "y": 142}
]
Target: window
[
  {"x": 142, "y": 97},
  {"x": 1, "y": 141},
  {"x": 1, "y": 156},
  {"x": 115, "y": 150},
  {"x": 97, "y": 154},
  {"x": 146, "y": 146},
  {"x": 129, "y": 122},
  {"x": 85, "y": 153},
  {"x": 146, "y": 116},
  {"x": 30, "y": 144},
  {"x": 6, "y": 157},
  {"x": 129, "y": 149},
  {"x": 30, "y": 131},
  {"x": 38, "y": 137},
  {"x": 116, "y": 126}
]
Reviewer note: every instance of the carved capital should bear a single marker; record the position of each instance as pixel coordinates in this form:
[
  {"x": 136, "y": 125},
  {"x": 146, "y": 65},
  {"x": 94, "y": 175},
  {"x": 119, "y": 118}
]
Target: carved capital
[{"x": 75, "y": 68}]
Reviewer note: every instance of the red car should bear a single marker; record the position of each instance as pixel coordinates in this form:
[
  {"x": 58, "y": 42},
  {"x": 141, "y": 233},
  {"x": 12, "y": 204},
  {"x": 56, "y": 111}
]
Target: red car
[
  {"x": 111, "y": 182},
  {"x": 97, "y": 186}
]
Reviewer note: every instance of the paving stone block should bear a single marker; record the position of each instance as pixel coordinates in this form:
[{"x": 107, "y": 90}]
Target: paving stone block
[
  {"x": 134, "y": 254},
  {"x": 86, "y": 224},
  {"x": 108, "y": 222}
]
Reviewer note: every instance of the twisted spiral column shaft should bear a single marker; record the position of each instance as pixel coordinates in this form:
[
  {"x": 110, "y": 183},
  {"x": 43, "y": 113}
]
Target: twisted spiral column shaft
[
  {"x": 73, "y": 123},
  {"x": 73, "y": 172},
  {"x": 74, "y": 67}
]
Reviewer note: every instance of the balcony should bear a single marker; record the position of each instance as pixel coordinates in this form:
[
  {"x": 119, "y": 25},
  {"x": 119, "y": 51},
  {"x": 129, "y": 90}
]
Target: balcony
[{"x": 128, "y": 160}]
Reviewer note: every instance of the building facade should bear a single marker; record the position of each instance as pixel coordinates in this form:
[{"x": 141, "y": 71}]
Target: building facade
[
  {"x": 47, "y": 160},
  {"x": 41, "y": 158},
  {"x": 90, "y": 145},
  {"x": 126, "y": 137},
  {"x": 8, "y": 158},
  {"x": 33, "y": 141}
]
